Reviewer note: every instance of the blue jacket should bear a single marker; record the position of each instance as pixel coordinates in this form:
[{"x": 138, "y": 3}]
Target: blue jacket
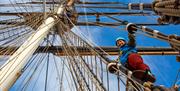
[{"x": 128, "y": 48}]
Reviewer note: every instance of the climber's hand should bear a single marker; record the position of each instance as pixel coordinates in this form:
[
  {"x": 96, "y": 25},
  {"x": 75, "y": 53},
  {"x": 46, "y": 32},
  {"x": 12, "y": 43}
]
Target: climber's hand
[{"x": 131, "y": 28}]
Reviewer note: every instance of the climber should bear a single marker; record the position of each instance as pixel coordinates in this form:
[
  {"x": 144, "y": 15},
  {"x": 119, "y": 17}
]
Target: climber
[{"x": 129, "y": 58}]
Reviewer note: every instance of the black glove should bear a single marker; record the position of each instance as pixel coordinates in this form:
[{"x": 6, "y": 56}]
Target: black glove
[{"x": 131, "y": 28}]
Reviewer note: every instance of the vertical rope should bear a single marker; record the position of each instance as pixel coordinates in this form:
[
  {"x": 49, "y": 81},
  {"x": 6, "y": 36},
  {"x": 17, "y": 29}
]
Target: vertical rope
[
  {"x": 62, "y": 75},
  {"x": 92, "y": 71},
  {"x": 96, "y": 71},
  {"x": 127, "y": 80},
  {"x": 118, "y": 78},
  {"x": 107, "y": 78},
  {"x": 177, "y": 76},
  {"x": 47, "y": 67}
]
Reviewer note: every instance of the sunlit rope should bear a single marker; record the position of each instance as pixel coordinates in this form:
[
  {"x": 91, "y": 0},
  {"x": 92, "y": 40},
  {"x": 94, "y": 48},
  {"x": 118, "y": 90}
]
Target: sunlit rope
[
  {"x": 71, "y": 72},
  {"x": 63, "y": 42},
  {"x": 78, "y": 79},
  {"x": 78, "y": 68},
  {"x": 6, "y": 64},
  {"x": 16, "y": 34},
  {"x": 138, "y": 84},
  {"x": 63, "y": 60},
  {"x": 89, "y": 41},
  {"x": 176, "y": 81},
  {"x": 38, "y": 76},
  {"x": 146, "y": 30},
  {"x": 86, "y": 20},
  {"x": 34, "y": 62},
  {"x": 34, "y": 67},
  {"x": 40, "y": 36},
  {"x": 82, "y": 61},
  {"x": 60, "y": 76}
]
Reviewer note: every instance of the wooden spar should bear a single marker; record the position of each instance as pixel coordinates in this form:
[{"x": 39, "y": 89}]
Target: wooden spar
[
  {"x": 18, "y": 13},
  {"x": 132, "y": 6},
  {"x": 112, "y": 24},
  {"x": 58, "y": 50},
  {"x": 114, "y": 51},
  {"x": 18, "y": 5},
  {"x": 79, "y": 13},
  {"x": 89, "y": 23},
  {"x": 78, "y": 2},
  {"x": 25, "y": 4},
  {"x": 113, "y": 13},
  {"x": 11, "y": 70}
]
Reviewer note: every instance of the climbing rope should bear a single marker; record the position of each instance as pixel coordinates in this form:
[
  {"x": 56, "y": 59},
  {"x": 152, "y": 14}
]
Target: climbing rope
[
  {"x": 150, "y": 32},
  {"x": 89, "y": 47}
]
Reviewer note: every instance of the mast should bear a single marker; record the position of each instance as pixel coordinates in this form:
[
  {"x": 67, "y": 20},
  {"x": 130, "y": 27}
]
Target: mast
[{"x": 11, "y": 70}]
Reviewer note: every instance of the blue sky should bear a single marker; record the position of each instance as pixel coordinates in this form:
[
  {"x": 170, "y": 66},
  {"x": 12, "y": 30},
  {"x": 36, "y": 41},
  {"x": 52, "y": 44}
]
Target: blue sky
[{"x": 164, "y": 68}]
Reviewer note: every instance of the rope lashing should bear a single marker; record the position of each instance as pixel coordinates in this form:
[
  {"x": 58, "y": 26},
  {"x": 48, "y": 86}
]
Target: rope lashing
[
  {"x": 168, "y": 10},
  {"x": 155, "y": 33},
  {"x": 129, "y": 6},
  {"x": 141, "y": 6}
]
